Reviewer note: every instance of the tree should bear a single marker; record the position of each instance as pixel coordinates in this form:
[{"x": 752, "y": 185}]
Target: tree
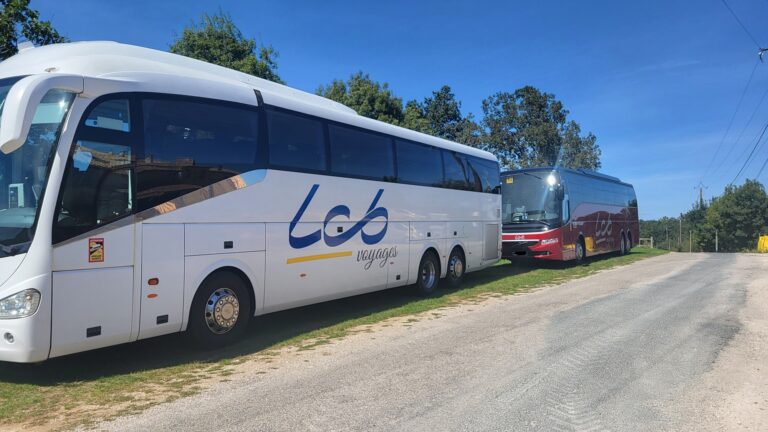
[
  {"x": 529, "y": 128},
  {"x": 739, "y": 216},
  {"x": 366, "y": 96},
  {"x": 18, "y": 21},
  {"x": 216, "y": 39},
  {"x": 440, "y": 115}
]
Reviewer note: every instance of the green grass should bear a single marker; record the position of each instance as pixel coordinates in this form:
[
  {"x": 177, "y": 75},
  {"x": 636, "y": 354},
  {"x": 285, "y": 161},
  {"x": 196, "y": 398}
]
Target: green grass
[{"x": 90, "y": 386}]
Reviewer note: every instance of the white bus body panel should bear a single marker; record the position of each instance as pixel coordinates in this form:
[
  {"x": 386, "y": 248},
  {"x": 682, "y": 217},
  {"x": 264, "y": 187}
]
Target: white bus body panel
[
  {"x": 162, "y": 259},
  {"x": 91, "y": 309},
  {"x": 96, "y": 295}
]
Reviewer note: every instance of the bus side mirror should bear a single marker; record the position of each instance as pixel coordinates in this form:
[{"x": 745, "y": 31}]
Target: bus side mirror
[
  {"x": 560, "y": 192},
  {"x": 22, "y": 101}
]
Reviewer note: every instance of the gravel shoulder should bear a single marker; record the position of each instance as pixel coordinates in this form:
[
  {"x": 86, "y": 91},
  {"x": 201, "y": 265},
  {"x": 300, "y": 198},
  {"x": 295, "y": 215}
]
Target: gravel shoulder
[
  {"x": 733, "y": 395},
  {"x": 669, "y": 343}
]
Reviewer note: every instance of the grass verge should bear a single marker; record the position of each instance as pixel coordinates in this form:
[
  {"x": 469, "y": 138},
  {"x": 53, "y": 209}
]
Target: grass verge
[{"x": 84, "y": 388}]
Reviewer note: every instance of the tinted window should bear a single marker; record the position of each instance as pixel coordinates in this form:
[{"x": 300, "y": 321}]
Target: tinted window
[
  {"x": 455, "y": 169},
  {"x": 486, "y": 175},
  {"x": 111, "y": 114},
  {"x": 295, "y": 141},
  {"x": 358, "y": 153},
  {"x": 96, "y": 189},
  {"x": 190, "y": 145},
  {"x": 419, "y": 164}
]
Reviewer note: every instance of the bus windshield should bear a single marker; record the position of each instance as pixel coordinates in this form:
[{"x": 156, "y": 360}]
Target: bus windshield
[
  {"x": 24, "y": 172},
  {"x": 528, "y": 197}
]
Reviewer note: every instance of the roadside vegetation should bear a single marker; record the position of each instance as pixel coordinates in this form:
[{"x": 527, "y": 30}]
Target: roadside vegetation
[
  {"x": 91, "y": 386},
  {"x": 738, "y": 218}
]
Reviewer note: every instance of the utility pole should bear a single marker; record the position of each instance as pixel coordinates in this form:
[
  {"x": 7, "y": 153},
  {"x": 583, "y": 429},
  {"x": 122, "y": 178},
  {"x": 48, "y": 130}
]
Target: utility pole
[
  {"x": 715, "y": 239},
  {"x": 690, "y": 241},
  {"x": 668, "y": 248},
  {"x": 701, "y": 188},
  {"x": 680, "y": 233}
]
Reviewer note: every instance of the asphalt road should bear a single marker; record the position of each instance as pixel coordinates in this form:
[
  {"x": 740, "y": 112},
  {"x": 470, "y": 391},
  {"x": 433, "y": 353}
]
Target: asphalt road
[{"x": 626, "y": 349}]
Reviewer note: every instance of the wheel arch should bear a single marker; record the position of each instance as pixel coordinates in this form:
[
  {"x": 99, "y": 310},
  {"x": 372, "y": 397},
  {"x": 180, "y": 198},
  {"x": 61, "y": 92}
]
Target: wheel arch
[{"x": 231, "y": 265}]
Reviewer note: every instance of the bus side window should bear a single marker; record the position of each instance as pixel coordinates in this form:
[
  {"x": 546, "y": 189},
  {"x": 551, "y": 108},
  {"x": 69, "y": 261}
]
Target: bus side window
[
  {"x": 419, "y": 164},
  {"x": 98, "y": 180},
  {"x": 295, "y": 142},
  {"x": 190, "y": 144},
  {"x": 359, "y": 153},
  {"x": 455, "y": 171}
]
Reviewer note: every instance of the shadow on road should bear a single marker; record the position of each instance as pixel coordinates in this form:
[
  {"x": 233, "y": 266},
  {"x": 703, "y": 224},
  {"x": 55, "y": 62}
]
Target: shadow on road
[{"x": 264, "y": 331}]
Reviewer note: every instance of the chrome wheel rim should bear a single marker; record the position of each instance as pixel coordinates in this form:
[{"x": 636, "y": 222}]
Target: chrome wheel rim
[
  {"x": 428, "y": 274},
  {"x": 222, "y": 311},
  {"x": 623, "y": 246},
  {"x": 579, "y": 251},
  {"x": 456, "y": 267}
]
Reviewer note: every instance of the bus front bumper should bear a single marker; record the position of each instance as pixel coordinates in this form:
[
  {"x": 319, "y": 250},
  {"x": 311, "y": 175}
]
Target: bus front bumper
[
  {"x": 531, "y": 249},
  {"x": 27, "y": 340}
]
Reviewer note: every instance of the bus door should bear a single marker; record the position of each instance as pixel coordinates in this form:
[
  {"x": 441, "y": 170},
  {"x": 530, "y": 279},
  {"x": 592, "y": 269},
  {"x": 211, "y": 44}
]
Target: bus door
[{"x": 93, "y": 234}]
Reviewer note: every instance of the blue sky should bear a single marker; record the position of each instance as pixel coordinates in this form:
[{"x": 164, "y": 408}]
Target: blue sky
[{"x": 657, "y": 82}]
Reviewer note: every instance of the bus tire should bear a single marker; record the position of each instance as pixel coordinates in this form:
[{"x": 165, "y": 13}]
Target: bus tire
[
  {"x": 220, "y": 311},
  {"x": 429, "y": 274},
  {"x": 581, "y": 250},
  {"x": 629, "y": 242},
  {"x": 457, "y": 268}
]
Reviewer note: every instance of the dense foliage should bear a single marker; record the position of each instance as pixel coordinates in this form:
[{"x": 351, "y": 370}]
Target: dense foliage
[
  {"x": 738, "y": 218},
  {"x": 524, "y": 129},
  {"x": 216, "y": 39},
  {"x": 18, "y": 22},
  {"x": 369, "y": 98},
  {"x": 528, "y": 128}
]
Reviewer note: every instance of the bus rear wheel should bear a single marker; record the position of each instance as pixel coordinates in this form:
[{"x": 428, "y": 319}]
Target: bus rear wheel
[
  {"x": 456, "y": 268},
  {"x": 220, "y": 311},
  {"x": 623, "y": 246},
  {"x": 429, "y": 275}
]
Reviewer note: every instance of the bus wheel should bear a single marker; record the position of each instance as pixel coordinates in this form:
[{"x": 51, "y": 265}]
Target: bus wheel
[
  {"x": 623, "y": 247},
  {"x": 429, "y": 274},
  {"x": 456, "y": 268},
  {"x": 220, "y": 310},
  {"x": 580, "y": 251}
]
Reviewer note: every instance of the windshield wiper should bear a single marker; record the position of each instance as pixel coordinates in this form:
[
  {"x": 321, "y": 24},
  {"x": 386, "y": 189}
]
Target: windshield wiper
[
  {"x": 532, "y": 175},
  {"x": 13, "y": 249},
  {"x": 529, "y": 221}
]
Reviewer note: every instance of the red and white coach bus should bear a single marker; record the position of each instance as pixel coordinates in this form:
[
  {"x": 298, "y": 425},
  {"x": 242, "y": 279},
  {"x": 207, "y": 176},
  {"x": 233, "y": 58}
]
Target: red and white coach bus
[{"x": 562, "y": 214}]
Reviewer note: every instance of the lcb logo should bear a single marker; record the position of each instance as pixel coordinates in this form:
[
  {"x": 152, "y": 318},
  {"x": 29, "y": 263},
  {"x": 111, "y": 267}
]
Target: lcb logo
[{"x": 299, "y": 242}]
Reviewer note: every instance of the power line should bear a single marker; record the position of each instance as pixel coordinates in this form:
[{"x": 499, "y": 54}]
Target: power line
[
  {"x": 743, "y": 130},
  {"x": 736, "y": 17},
  {"x": 761, "y": 169},
  {"x": 733, "y": 117},
  {"x": 746, "y": 162}
]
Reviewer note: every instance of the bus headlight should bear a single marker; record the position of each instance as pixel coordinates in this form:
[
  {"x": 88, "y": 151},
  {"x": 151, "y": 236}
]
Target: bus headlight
[
  {"x": 549, "y": 241},
  {"x": 20, "y": 305},
  {"x": 551, "y": 180}
]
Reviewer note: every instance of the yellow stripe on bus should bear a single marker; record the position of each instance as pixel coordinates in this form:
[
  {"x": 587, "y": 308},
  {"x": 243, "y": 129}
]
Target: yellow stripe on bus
[{"x": 319, "y": 257}]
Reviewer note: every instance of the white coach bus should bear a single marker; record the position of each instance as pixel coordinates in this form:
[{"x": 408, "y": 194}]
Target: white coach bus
[{"x": 144, "y": 193}]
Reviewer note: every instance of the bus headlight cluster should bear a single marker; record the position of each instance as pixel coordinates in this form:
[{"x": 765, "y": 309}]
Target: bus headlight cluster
[
  {"x": 20, "y": 305},
  {"x": 549, "y": 241},
  {"x": 551, "y": 180}
]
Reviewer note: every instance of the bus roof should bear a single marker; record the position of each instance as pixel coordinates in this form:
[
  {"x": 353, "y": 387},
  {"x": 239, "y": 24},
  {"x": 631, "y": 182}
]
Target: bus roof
[
  {"x": 117, "y": 61},
  {"x": 580, "y": 172}
]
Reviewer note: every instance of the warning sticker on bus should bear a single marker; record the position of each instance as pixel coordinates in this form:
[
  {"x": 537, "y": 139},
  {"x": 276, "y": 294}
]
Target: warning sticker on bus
[{"x": 96, "y": 250}]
